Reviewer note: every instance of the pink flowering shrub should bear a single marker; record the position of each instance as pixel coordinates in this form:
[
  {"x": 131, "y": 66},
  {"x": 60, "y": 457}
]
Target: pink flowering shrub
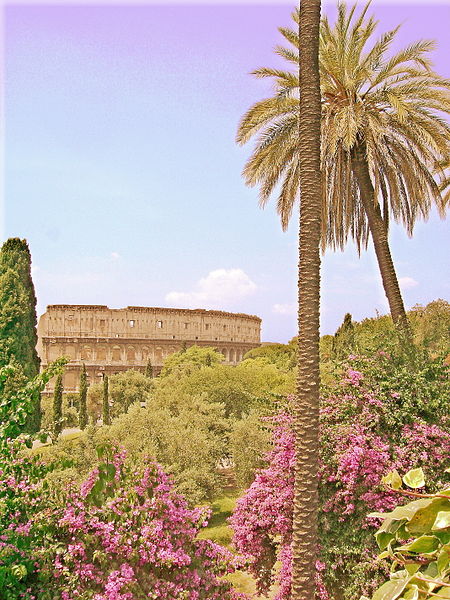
[
  {"x": 127, "y": 535},
  {"x": 21, "y": 500},
  {"x": 361, "y": 440},
  {"x": 121, "y": 535},
  {"x": 21, "y": 493}
]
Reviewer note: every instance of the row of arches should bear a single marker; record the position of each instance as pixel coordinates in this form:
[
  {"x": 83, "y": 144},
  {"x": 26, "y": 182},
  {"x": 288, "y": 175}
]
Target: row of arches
[{"x": 128, "y": 354}]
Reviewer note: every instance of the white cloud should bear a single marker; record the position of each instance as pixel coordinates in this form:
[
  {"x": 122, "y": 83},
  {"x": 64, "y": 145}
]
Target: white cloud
[
  {"x": 284, "y": 309},
  {"x": 407, "y": 282},
  {"x": 219, "y": 288},
  {"x": 115, "y": 255}
]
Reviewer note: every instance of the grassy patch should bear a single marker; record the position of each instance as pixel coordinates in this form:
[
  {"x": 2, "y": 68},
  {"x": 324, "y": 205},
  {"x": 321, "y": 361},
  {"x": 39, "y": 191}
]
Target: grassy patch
[{"x": 218, "y": 529}]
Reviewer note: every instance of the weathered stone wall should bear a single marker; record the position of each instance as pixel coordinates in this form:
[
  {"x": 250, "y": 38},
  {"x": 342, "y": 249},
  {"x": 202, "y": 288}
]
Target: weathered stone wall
[{"x": 112, "y": 340}]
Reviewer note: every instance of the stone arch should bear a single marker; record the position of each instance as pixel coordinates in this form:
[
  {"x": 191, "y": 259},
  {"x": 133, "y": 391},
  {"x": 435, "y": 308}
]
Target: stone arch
[
  {"x": 145, "y": 352},
  {"x": 232, "y": 355},
  {"x": 70, "y": 351},
  {"x": 86, "y": 352},
  {"x": 131, "y": 354},
  {"x": 70, "y": 380},
  {"x": 158, "y": 354},
  {"x": 54, "y": 352},
  {"x": 101, "y": 353},
  {"x": 116, "y": 355}
]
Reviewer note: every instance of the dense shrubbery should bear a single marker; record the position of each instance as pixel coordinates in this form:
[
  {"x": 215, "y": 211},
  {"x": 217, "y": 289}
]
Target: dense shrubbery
[
  {"x": 124, "y": 534},
  {"x": 380, "y": 417},
  {"x": 124, "y": 389},
  {"x": 195, "y": 418},
  {"x": 389, "y": 410},
  {"x": 414, "y": 538},
  {"x": 20, "y": 487}
]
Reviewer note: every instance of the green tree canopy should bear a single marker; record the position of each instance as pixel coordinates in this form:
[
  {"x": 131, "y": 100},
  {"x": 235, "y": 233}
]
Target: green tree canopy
[
  {"x": 18, "y": 336},
  {"x": 190, "y": 359},
  {"x": 125, "y": 389}
]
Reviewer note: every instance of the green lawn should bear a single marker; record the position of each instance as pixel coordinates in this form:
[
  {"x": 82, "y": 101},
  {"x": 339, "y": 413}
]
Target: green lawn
[
  {"x": 218, "y": 529},
  {"x": 220, "y": 532}
]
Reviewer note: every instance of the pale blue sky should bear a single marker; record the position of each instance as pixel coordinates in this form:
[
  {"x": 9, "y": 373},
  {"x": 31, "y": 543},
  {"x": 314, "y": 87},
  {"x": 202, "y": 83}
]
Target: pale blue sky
[{"x": 123, "y": 174}]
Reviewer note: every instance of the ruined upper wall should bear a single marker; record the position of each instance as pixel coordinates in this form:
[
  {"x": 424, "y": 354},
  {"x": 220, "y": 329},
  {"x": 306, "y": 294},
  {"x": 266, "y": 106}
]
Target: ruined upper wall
[{"x": 61, "y": 320}]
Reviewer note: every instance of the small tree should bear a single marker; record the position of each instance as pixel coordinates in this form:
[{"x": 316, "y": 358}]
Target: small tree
[
  {"x": 18, "y": 336},
  {"x": 191, "y": 359},
  {"x": 106, "y": 413},
  {"x": 82, "y": 415},
  {"x": 57, "y": 405},
  {"x": 344, "y": 338},
  {"x": 149, "y": 369}
]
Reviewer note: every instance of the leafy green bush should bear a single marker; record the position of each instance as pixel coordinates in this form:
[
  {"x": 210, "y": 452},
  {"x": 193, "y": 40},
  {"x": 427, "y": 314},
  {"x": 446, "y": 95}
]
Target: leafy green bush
[
  {"x": 21, "y": 489},
  {"x": 252, "y": 384},
  {"x": 415, "y": 539},
  {"x": 191, "y": 359},
  {"x": 124, "y": 389},
  {"x": 281, "y": 355},
  {"x": 187, "y": 435},
  {"x": 249, "y": 443},
  {"x": 69, "y": 412}
]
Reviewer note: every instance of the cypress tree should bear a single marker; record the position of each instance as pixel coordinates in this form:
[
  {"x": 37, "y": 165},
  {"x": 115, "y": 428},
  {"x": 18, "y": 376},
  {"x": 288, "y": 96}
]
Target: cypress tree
[
  {"x": 82, "y": 415},
  {"x": 57, "y": 405},
  {"x": 18, "y": 335},
  {"x": 106, "y": 413},
  {"x": 149, "y": 369},
  {"x": 344, "y": 338}
]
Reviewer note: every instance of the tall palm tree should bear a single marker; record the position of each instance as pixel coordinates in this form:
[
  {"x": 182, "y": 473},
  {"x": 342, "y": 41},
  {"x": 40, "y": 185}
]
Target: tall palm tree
[
  {"x": 382, "y": 134},
  {"x": 444, "y": 185},
  {"x": 306, "y": 408}
]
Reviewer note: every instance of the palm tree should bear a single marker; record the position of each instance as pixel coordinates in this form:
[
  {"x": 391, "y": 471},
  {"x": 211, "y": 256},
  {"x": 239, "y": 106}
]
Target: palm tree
[
  {"x": 382, "y": 134},
  {"x": 306, "y": 407},
  {"x": 444, "y": 170}
]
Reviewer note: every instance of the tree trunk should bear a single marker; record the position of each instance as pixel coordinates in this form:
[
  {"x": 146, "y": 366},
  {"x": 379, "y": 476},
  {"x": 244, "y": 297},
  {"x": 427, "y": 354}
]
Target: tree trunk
[
  {"x": 379, "y": 234},
  {"x": 306, "y": 411}
]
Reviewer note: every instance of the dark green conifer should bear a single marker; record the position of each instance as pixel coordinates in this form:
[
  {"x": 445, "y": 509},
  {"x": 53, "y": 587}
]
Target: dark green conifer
[
  {"x": 18, "y": 336},
  {"x": 149, "y": 369},
  {"x": 57, "y": 405},
  {"x": 106, "y": 412},
  {"x": 344, "y": 339},
  {"x": 82, "y": 414}
]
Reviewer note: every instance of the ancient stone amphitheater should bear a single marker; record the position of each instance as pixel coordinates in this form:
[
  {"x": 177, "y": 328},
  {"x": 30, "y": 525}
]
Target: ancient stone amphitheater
[{"x": 110, "y": 340}]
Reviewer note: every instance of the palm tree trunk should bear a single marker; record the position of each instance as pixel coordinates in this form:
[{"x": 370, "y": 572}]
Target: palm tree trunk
[
  {"x": 379, "y": 235},
  {"x": 306, "y": 411}
]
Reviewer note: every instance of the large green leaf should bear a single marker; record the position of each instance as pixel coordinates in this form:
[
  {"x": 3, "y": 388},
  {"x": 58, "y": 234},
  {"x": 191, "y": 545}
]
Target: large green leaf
[
  {"x": 423, "y": 518},
  {"x": 442, "y": 520},
  {"x": 391, "y": 589},
  {"x": 412, "y": 568},
  {"x": 383, "y": 539},
  {"x": 443, "y": 562},
  {"x": 412, "y": 593},
  {"x": 393, "y": 480},
  {"x": 414, "y": 478},
  {"x": 423, "y": 544}
]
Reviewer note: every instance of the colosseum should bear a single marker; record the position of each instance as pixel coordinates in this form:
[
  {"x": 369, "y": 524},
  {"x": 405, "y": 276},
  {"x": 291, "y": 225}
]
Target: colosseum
[{"x": 109, "y": 340}]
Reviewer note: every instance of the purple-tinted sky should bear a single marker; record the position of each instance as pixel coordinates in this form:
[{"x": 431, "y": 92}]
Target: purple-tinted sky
[{"x": 122, "y": 171}]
